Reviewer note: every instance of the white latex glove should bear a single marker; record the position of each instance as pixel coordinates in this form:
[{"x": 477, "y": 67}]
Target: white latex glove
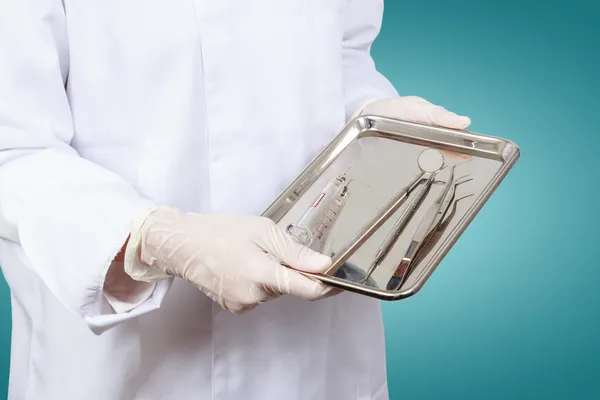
[
  {"x": 233, "y": 259},
  {"x": 417, "y": 110}
]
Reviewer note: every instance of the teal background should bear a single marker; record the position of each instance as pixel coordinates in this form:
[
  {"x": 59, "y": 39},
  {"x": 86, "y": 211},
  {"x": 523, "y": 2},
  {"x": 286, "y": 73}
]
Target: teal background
[{"x": 513, "y": 312}]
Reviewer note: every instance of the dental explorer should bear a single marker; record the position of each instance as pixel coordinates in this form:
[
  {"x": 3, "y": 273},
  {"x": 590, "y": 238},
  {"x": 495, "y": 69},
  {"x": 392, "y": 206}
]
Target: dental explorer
[{"x": 430, "y": 161}]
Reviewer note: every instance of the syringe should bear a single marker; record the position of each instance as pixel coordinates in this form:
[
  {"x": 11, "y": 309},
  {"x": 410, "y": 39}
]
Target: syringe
[{"x": 312, "y": 227}]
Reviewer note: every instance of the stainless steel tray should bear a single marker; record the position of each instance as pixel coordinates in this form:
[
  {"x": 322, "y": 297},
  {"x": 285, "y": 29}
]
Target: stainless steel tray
[{"x": 380, "y": 157}]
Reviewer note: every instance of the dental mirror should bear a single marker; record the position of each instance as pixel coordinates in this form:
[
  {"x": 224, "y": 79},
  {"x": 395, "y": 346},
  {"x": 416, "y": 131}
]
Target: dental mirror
[{"x": 431, "y": 160}]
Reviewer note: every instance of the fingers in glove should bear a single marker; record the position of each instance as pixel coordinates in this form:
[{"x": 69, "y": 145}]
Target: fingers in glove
[
  {"x": 417, "y": 109},
  {"x": 236, "y": 307},
  {"x": 439, "y": 116},
  {"x": 329, "y": 292},
  {"x": 422, "y": 111},
  {"x": 287, "y": 281},
  {"x": 297, "y": 256},
  {"x": 242, "y": 299}
]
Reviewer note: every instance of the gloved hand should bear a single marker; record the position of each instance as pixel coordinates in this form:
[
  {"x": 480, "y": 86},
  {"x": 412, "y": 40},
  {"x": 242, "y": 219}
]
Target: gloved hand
[
  {"x": 233, "y": 259},
  {"x": 415, "y": 109}
]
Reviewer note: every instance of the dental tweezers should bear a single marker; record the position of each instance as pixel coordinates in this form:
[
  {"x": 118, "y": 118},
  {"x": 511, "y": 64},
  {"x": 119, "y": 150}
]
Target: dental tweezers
[
  {"x": 428, "y": 225},
  {"x": 399, "y": 226}
]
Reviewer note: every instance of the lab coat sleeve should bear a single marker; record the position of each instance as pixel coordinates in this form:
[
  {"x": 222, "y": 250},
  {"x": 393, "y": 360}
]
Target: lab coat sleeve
[
  {"x": 67, "y": 215},
  {"x": 363, "y": 83}
]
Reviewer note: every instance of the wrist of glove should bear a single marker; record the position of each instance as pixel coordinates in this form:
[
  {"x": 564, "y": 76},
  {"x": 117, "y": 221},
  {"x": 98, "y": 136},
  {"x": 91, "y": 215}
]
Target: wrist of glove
[
  {"x": 233, "y": 259},
  {"x": 414, "y": 109}
]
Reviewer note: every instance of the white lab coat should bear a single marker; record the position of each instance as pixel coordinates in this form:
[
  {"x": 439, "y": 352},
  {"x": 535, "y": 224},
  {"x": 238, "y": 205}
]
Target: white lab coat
[{"x": 110, "y": 106}]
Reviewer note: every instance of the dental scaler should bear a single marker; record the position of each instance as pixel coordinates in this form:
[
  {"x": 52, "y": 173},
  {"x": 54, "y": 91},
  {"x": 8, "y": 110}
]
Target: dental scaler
[{"x": 313, "y": 226}]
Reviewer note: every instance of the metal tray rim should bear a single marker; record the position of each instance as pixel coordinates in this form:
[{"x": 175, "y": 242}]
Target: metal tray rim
[{"x": 353, "y": 131}]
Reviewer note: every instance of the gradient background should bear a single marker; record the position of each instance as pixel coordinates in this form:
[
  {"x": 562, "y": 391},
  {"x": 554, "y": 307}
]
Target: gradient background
[{"x": 513, "y": 312}]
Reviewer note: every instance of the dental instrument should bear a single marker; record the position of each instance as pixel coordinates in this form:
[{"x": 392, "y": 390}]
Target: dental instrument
[
  {"x": 398, "y": 227},
  {"x": 312, "y": 227},
  {"x": 428, "y": 225},
  {"x": 430, "y": 162}
]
